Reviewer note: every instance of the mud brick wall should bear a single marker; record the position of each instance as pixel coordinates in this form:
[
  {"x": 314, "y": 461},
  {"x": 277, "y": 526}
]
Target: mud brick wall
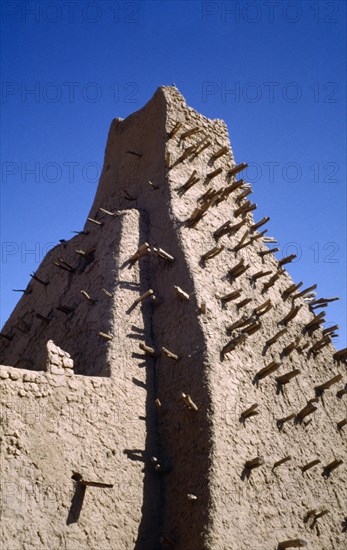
[{"x": 227, "y": 395}]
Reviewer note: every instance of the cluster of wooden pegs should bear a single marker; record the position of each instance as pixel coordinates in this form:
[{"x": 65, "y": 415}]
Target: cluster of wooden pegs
[{"x": 146, "y": 248}]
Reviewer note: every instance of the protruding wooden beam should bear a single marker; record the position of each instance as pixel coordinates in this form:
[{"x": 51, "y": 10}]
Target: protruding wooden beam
[
  {"x": 328, "y": 383},
  {"x": 282, "y": 461},
  {"x": 234, "y": 228},
  {"x": 236, "y": 169},
  {"x": 231, "y": 296},
  {"x": 36, "y": 278},
  {"x": 329, "y": 468},
  {"x": 105, "y": 336},
  {"x": 268, "y": 251},
  {"x": 276, "y": 337},
  {"x": 321, "y": 514},
  {"x": 260, "y": 274},
  {"x": 196, "y": 216},
  {"x": 272, "y": 280},
  {"x": 230, "y": 188},
  {"x": 267, "y": 370},
  {"x": 315, "y": 322},
  {"x": 79, "y": 478},
  {"x": 263, "y": 221},
  {"x": 181, "y": 294},
  {"x": 242, "y": 242},
  {"x": 64, "y": 265},
  {"x": 190, "y": 132},
  {"x": 292, "y": 543},
  {"x": 340, "y": 355},
  {"x": 287, "y": 350},
  {"x": 330, "y": 329},
  {"x": 148, "y": 350},
  {"x": 107, "y": 212},
  {"x": 292, "y": 313},
  {"x": 239, "y": 323},
  {"x": 304, "y": 292},
  {"x": 259, "y": 236},
  {"x": 174, "y": 130},
  {"x": 212, "y": 253},
  {"x": 238, "y": 270},
  {"x": 192, "y": 180},
  {"x": 95, "y": 222},
  {"x": 291, "y": 288},
  {"x": 251, "y": 411},
  {"x": 204, "y": 144},
  {"x": 251, "y": 329},
  {"x": 308, "y": 409},
  {"x": 222, "y": 230},
  {"x": 169, "y": 354},
  {"x": 86, "y": 295},
  {"x": 230, "y": 346},
  {"x": 135, "y": 153},
  {"x": 81, "y": 232},
  {"x": 214, "y": 174},
  {"x": 243, "y": 195},
  {"x": 287, "y": 259},
  {"x": 106, "y": 292},
  {"x": 158, "y": 404},
  {"x": 220, "y": 153},
  {"x": 24, "y": 291},
  {"x": 341, "y": 424},
  {"x": 189, "y": 402},
  {"x": 141, "y": 251},
  {"x": 324, "y": 300},
  {"x": 287, "y": 377},
  {"x": 162, "y": 254},
  {"x": 243, "y": 303},
  {"x": 254, "y": 463},
  {"x": 202, "y": 308},
  {"x": 244, "y": 209},
  {"x": 263, "y": 308},
  {"x": 320, "y": 344},
  {"x": 282, "y": 421},
  {"x": 186, "y": 153},
  {"x": 309, "y": 465},
  {"x": 143, "y": 296}
]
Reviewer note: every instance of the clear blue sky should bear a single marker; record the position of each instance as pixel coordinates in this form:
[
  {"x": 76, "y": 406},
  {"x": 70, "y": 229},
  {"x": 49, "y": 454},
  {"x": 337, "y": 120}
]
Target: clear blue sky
[{"x": 274, "y": 71}]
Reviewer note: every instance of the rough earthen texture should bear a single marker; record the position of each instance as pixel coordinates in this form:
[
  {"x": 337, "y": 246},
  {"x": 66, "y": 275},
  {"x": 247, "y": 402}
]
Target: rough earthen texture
[{"x": 79, "y": 390}]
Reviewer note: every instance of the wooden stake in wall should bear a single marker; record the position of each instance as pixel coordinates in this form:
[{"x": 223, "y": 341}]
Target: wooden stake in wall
[
  {"x": 174, "y": 130},
  {"x": 340, "y": 355},
  {"x": 308, "y": 409},
  {"x": 276, "y": 337},
  {"x": 251, "y": 411},
  {"x": 292, "y": 543},
  {"x": 212, "y": 253},
  {"x": 230, "y": 346},
  {"x": 266, "y": 371},
  {"x": 310, "y": 465},
  {"x": 290, "y": 315},
  {"x": 189, "y": 402},
  {"x": 236, "y": 169},
  {"x": 329, "y": 468}
]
